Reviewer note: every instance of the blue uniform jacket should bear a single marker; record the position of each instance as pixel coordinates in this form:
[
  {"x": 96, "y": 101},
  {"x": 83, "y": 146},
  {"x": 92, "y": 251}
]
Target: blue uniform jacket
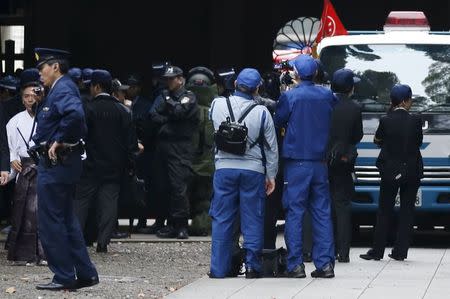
[
  {"x": 305, "y": 113},
  {"x": 60, "y": 117}
]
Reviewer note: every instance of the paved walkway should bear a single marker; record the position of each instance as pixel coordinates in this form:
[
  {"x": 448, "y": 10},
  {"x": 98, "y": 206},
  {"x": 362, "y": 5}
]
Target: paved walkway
[{"x": 425, "y": 274}]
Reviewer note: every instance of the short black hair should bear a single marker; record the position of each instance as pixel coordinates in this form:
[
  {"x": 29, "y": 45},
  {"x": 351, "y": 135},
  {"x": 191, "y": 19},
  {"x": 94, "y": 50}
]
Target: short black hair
[
  {"x": 63, "y": 65},
  {"x": 106, "y": 87}
]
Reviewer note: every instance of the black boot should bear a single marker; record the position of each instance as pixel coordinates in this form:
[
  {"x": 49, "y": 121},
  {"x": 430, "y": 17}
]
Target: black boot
[
  {"x": 250, "y": 274},
  {"x": 182, "y": 233},
  {"x": 298, "y": 272},
  {"x": 370, "y": 255},
  {"x": 152, "y": 229},
  {"x": 167, "y": 232},
  {"x": 326, "y": 272}
]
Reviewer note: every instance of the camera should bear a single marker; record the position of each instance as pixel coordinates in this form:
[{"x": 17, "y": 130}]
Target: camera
[{"x": 38, "y": 90}]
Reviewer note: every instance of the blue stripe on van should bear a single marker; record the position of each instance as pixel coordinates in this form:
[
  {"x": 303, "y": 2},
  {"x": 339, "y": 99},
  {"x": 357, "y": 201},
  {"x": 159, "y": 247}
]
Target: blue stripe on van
[
  {"x": 366, "y": 161},
  {"x": 371, "y": 145}
]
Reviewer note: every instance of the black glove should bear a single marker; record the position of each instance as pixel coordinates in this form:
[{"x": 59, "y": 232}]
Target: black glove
[{"x": 169, "y": 100}]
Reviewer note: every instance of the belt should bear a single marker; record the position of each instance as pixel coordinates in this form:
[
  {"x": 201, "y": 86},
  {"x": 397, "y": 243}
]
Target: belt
[{"x": 69, "y": 148}]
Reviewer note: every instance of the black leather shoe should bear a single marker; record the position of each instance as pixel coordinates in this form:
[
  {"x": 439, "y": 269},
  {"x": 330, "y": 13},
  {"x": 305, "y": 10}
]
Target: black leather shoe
[
  {"x": 298, "y": 272},
  {"x": 326, "y": 272},
  {"x": 396, "y": 257},
  {"x": 102, "y": 248},
  {"x": 210, "y": 275},
  {"x": 151, "y": 230},
  {"x": 307, "y": 257},
  {"x": 183, "y": 233},
  {"x": 119, "y": 235},
  {"x": 343, "y": 259},
  {"x": 54, "y": 286},
  {"x": 167, "y": 232},
  {"x": 370, "y": 256},
  {"x": 250, "y": 274},
  {"x": 85, "y": 283}
]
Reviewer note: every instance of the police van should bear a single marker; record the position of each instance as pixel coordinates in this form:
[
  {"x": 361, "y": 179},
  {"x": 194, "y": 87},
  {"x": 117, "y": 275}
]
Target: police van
[{"x": 407, "y": 52}]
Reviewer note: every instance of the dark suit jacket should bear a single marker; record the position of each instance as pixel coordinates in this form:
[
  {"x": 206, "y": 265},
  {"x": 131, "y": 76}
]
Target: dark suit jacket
[
  {"x": 110, "y": 140},
  {"x": 345, "y": 132},
  {"x": 400, "y": 136}
]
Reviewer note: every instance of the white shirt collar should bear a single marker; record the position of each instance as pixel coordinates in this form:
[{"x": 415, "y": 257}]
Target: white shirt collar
[
  {"x": 102, "y": 94},
  {"x": 398, "y": 108}
]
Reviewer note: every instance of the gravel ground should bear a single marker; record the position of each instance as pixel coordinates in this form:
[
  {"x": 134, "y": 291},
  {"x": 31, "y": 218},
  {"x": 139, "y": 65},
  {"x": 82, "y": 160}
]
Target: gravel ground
[{"x": 128, "y": 270}]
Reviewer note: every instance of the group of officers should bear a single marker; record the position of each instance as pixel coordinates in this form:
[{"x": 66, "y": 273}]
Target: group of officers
[
  {"x": 319, "y": 132},
  {"x": 75, "y": 145}
]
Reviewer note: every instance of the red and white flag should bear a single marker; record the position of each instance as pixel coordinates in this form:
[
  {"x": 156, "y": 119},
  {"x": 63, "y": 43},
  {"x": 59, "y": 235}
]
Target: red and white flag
[{"x": 330, "y": 24}]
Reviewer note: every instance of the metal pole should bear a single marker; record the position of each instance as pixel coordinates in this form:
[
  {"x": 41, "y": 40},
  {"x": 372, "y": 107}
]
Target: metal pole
[{"x": 9, "y": 57}]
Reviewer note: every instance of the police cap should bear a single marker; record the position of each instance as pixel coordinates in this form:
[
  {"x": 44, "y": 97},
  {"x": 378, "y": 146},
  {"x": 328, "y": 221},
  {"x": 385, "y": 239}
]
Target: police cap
[
  {"x": 75, "y": 73},
  {"x": 227, "y": 76},
  {"x": 343, "y": 81},
  {"x": 134, "y": 80},
  {"x": 86, "y": 75},
  {"x": 101, "y": 77},
  {"x": 400, "y": 93},
  {"x": 172, "y": 71},
  {"x": 118, "y": 86},
  {"x": 9, "y": 82},
  {"x": 44, "y": 55},
  {"x": 158, "y": 68}
]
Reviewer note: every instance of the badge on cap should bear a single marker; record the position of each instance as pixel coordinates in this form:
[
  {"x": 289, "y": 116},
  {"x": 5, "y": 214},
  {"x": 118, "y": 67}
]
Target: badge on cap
[
  {"x": 45, "y": 109},
  {"x": 185, "y": 100},
  {"x": 170, "y": 70}
]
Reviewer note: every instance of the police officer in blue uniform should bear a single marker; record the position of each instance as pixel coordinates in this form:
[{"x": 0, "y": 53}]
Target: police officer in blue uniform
[
  {"x": 60, "y": 126},
  {"x": 305, "y": 112}
]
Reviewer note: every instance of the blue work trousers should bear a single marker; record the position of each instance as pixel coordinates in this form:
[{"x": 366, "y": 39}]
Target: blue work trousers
[
  {"x": 243, "y": 191},
  {"x": 306, "y": 188}
]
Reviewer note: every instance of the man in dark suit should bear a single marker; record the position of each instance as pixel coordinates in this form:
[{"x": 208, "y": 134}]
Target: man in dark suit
[
  {"x": 401, "y": 167},
  {"x": 345, "y": 132},
  {"x": 108, "y": 149}
]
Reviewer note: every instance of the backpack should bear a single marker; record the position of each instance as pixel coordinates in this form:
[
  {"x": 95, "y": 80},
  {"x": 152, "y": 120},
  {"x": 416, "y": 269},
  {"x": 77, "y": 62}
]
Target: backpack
[{"x": 231, "y": 137}]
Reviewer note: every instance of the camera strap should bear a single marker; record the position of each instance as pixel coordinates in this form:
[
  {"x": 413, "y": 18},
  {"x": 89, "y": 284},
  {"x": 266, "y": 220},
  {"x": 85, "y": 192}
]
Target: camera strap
[{"x": 27, "y": 144}]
